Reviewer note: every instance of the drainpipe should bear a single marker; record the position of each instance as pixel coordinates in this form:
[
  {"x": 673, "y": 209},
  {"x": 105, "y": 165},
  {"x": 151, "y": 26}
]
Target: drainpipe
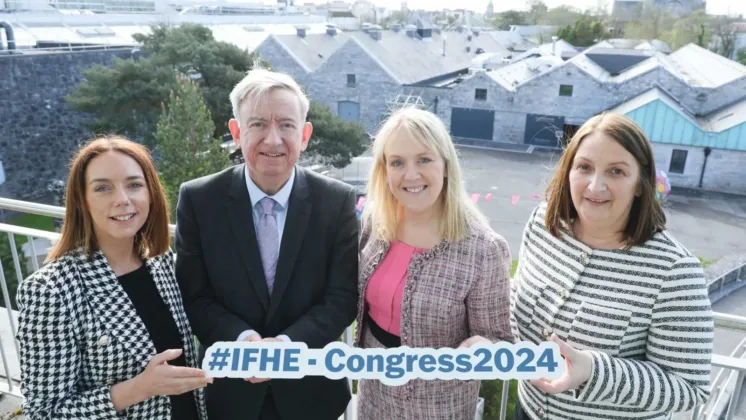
[
  {"x": 9, "y": 35},
  {"x": 435, "y": 110},
  {"x": 707, "y": 151}
]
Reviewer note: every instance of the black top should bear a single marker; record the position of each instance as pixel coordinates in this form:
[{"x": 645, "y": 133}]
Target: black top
[{"x": 162, "y": 328}]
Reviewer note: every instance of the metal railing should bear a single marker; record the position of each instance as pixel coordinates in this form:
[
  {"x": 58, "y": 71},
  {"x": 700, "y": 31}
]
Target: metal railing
[
  {"x": 736, "y": 365},
  {"x": 733, "y": 275}
]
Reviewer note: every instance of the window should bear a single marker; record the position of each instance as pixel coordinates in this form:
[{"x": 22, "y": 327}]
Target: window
[
  {"x": 678, "y": 161},
  {"x": 480, "y": 94},
  {"x": 565, "y": 90},
  {"x": 350, "y": 80}
]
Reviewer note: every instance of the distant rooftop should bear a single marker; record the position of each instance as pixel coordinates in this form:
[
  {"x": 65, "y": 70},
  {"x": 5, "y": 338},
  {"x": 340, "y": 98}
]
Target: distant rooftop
[
  {"x": 703, "y": 68},
  {"x": 409, "y": 58},
  {"x": 514, "y": 75}
]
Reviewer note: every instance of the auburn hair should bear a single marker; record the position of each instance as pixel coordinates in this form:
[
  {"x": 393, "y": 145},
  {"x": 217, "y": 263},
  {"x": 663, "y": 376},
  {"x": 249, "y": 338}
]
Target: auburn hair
[
  {"x": 646, "y": 215},
  {"x": 151, "y": 240}
]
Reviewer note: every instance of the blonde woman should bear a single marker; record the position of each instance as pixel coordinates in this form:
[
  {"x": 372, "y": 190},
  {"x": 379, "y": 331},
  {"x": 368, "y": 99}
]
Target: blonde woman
[{"x": 432, "y": 271}]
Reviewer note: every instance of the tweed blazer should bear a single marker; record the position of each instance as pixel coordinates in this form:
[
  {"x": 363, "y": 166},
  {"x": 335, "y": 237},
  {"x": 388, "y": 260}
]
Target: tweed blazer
[
  {"x": 453, "y": 291},
  {"x": 80, "y": 334}
]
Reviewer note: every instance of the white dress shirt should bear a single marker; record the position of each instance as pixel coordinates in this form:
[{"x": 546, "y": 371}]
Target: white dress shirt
[{"x": 281, "y": 211}]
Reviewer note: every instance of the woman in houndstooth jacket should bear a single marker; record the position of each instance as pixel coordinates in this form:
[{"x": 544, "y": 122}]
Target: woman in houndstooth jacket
[
  {"x": 432, "y": 271},
  {"x": 102, "y": 329}
]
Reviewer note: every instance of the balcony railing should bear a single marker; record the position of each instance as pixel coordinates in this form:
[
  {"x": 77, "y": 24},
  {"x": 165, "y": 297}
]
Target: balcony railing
[{"x": 734, "y": 364}]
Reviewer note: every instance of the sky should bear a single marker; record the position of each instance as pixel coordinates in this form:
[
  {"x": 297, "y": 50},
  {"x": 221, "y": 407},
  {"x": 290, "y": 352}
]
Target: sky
[{"x": 713, "y": 6}]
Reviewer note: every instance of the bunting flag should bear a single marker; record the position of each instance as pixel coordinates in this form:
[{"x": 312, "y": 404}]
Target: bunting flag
[
  {"x": 475, "y": 198},
  {"x": 514, "y": 199},
  {"x": 487, "y": 197}
]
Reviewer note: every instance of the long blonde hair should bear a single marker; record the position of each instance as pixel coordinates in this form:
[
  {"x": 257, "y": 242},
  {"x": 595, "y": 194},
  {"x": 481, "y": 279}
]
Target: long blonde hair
[{"x": 384, "y": 211}]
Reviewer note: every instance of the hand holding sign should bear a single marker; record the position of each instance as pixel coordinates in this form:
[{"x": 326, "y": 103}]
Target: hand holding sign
[
  {"x": 392, "y": 366},
  {"x": 579, "y": 366}
]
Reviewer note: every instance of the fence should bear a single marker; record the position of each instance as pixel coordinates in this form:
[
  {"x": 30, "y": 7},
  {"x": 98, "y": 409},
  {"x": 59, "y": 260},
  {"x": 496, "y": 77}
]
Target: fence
[{"x": 735, "y": 363}]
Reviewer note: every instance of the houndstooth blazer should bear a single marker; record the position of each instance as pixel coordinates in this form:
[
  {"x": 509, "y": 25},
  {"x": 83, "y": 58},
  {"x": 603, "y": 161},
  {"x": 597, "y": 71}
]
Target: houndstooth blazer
[
  {"x": 452, "y": 292},
  {"x": 80, "y": 334}
]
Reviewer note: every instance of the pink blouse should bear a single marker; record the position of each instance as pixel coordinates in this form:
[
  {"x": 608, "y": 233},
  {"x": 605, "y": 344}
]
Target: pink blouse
[{"x": 384, "y": 292}]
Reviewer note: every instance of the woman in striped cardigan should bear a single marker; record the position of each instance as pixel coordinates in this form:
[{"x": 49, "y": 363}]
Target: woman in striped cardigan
[{"x": 599, "y": 275}]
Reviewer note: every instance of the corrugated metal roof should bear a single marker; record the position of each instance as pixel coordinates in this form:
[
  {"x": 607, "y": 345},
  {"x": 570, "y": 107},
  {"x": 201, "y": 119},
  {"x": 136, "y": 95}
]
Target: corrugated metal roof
[
  {"x": 512, "y": 40},
  {"x": 514, "y": 75},
  {"x": 703, "y": 68},
  {"x": 557, "y": 49},
  {"x": 664, "y": 120}
]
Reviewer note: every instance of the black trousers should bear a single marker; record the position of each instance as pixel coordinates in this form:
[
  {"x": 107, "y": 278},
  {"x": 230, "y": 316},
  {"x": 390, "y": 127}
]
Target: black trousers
[
  {"x": 519, "y": 413},
  {"x": 269, "y": 408}
]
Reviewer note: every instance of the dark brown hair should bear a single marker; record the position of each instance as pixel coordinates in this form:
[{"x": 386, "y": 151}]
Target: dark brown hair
[
  {"x": 646, "y": 215},
  {"x": 77, "y": 230}
]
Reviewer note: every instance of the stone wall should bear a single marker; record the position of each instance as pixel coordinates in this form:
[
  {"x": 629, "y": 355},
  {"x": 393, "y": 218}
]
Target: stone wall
[
  {"x": 373, "y": 88},
  {"x": 39, "y": 131}
]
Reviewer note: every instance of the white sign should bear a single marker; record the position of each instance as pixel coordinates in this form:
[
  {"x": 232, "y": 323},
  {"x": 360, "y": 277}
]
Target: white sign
[
  {"x": 392, "y": 366},
  {"x": 2, "y": 173}
]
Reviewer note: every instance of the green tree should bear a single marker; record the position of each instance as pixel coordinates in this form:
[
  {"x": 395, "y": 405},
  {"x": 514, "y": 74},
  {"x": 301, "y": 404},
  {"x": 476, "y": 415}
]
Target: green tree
[
  {"x": 536, "y": 11},
  {"x": 127, "y": 97},
  {"x": 693, "y": 29},
  {"x": 655, "y": 23},
  {"x": 334, "y": 141},
  {"x": 504, "y": 20},
  {"x": 184, "y": 141},
  {"x": 9, "y": 270},
  {"x": 562, "y": 16},
  {"x": 741, "y": 56},
  {"x": 584, "y": 33},
  {"x": 724, "y": 36}
]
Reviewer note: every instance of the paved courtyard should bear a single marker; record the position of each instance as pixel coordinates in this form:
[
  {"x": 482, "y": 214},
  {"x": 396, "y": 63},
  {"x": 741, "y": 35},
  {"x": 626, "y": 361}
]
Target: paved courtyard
[{"x": 711, "y": 225}]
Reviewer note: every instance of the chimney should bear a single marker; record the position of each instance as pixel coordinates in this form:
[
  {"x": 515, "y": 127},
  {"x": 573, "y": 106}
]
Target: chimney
[
  {"x": 468, "y": 49},
  {"x": 375, "y": 32},
  {"x": 331, "y": 29},
  {"x": 554, "y": 45},
  {"x": 396, "y": 28},
  {"x": 301, "y": 31},
  {"x": 476, "y": 31},
  {"x": 444, "y": 46}
]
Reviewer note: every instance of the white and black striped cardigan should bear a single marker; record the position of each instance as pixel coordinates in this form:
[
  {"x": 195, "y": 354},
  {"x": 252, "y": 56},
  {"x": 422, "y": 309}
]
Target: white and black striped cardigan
[
  {"x": 644, "y": 313},
  {"x": 80, "y": 334}
]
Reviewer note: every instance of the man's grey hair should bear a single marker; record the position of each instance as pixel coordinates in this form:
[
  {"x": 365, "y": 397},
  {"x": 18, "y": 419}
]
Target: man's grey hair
[{"x": 258, "y": 83}]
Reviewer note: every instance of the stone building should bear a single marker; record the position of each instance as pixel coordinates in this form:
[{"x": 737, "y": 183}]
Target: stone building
[{"x": 537, "y": 98}]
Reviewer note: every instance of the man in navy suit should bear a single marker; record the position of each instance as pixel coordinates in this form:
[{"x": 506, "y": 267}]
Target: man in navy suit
[{"x": 267, "y": 250}]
